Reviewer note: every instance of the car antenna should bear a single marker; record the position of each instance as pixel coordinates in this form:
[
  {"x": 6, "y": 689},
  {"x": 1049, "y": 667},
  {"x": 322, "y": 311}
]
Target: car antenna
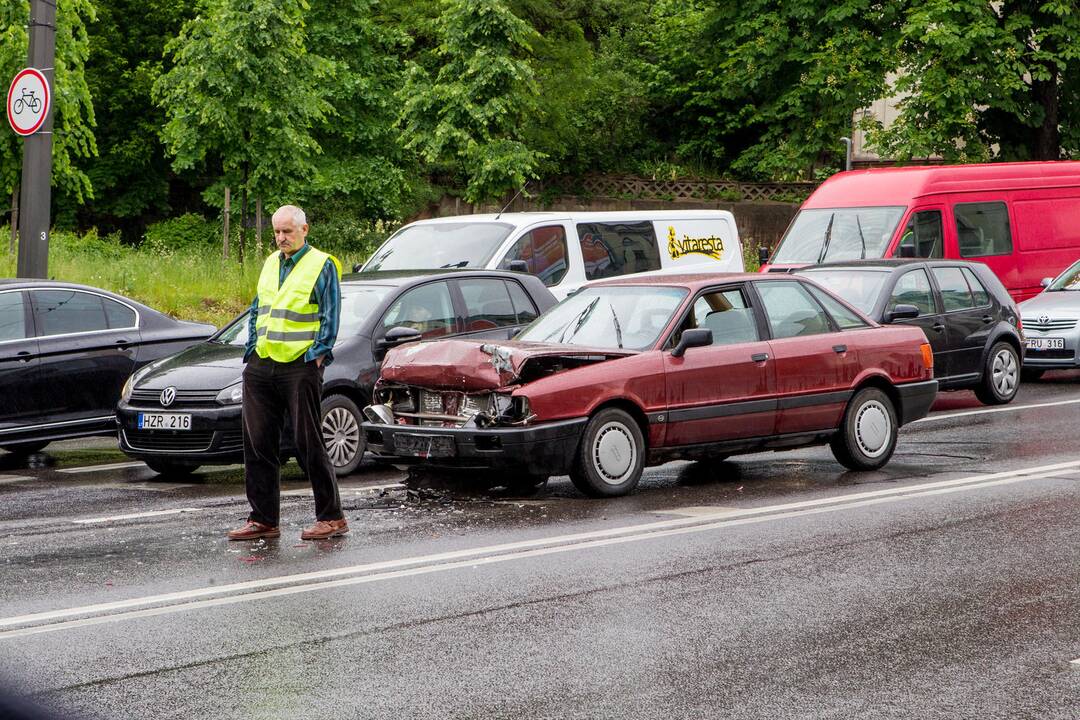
[{"x": 513, "y": 199}]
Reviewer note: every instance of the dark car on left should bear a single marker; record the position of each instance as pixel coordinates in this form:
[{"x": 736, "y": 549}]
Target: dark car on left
[
  {"x": 66, "y": 351},
  {"x": 185, "y": 412}
]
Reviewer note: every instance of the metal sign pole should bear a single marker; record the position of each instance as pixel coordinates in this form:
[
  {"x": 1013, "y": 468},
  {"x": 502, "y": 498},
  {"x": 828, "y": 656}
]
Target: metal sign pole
[{"x": 37, "y": 153}]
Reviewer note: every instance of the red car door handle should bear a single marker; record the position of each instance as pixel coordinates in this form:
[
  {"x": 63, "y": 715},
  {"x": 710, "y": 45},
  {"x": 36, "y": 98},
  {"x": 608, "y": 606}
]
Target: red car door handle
[
  {"x": 759, "y": 357},
  {"x": 839, "y": 349}
]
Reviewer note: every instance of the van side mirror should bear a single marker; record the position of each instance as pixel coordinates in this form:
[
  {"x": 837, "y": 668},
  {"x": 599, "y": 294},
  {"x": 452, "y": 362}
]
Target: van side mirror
[
  {"x": 397, "y": 335},
  {"x": 907, "y": 251},
  {"x": 698, "y": 337},
  {"x": 1045, "y": 282},
  {"x": 763, "y": 255},
  {"x": 519, "y": 266},
  {"x": 901, "y": 312}
]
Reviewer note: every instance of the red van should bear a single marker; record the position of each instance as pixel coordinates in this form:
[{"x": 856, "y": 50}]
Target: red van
[{"x": 1021, "y": 219}]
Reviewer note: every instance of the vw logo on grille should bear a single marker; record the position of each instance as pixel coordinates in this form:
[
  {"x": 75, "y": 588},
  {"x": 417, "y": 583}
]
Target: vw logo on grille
[
  {"x": 167, "y": 396},
  {"x": 1044, "y": 319}
]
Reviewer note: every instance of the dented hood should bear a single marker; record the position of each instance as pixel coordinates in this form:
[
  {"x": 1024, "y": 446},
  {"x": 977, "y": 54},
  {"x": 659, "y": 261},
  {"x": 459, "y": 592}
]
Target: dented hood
[{"x": 471, "y": 365}]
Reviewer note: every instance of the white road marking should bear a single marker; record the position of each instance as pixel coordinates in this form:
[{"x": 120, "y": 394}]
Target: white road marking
[
  {"x": 102, "y": 468},
  {"x": 1003, "y": 408},
  {"x": 134, "y": 516},
  {"x": 389, "y": 569},
  {"x": 699, "y": 511},
  {"x": 1075, "y": 662},
  {"x": 8, "y": 479},
  {"x": 151, "y": 486},
  {"x": 347, "y": 489}
]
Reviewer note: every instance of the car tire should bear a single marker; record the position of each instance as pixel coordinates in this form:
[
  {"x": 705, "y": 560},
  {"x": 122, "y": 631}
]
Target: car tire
[
  {"x": 1031, "y": 374},
  {"x": 26, "y": 448},
  {"x": 342, "y": 435},
  {"x": 611, "y": 455},
  {"x": 169, "y": 469},
  {"x": 1001, "y": 376},
  {"x": 867, "y": 436}
]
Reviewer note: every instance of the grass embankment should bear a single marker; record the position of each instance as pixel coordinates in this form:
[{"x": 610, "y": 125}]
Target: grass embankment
[{"x": 191, "y": 283}]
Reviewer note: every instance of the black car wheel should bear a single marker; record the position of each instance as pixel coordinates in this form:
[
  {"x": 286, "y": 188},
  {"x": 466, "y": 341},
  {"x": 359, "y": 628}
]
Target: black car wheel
[
  {"x": 611, "y": 456},
  {"x": 867, "y": 436},
  {"x": 1001, "y": 376},
  {"x": 169, "y": 469},
  {"x": 26, "y": 448},
  {"x": 344, "y": 440}
]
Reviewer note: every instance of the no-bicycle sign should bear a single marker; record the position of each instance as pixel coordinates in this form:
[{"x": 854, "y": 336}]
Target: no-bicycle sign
[{"x": 28, "y": 101}]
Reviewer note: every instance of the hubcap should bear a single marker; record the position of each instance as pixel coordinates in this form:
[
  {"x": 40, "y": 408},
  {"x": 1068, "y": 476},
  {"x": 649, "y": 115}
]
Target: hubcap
[
  {"x": 872, "y": 428},
  {"x": 1004, "y": 372},
  {"x": 614, "y": 454},
  {"x": 341, "y": 436}
]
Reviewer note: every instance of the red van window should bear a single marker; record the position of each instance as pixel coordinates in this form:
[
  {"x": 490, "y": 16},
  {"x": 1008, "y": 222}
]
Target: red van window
[
  {"x": 923, "y": 234},
  {"x": 983, "y": 229}
]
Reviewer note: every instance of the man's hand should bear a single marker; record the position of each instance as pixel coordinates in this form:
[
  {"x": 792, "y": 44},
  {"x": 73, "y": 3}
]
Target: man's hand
[{"x": 318, "y": 361}]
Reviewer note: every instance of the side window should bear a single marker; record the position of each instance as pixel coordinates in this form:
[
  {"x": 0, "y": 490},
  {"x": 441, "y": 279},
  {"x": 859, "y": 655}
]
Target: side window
[
  {"x": 544, "y": 251},
  {"x": 846, "y": 319},
  {"x": 118, "y": 315},
  {"x": 427, "y": 308},
  {"x": 57, "y": 312},
  {"x": 982, "y": 229},
  {"x": 726, "y": 313},
  {"x": 12, "y": 316},
  {"x": 523, "y": 305},
  {"x": 791, "y": 311},
  {"x": 487, "y": 304},
  {"x": 978, "y": 291},
  {"x": 955, "y": 294},
  {"x": 923, "y": 234},
  {"x": 612, "y": 249},
  {"x": 913, "y": 288}
]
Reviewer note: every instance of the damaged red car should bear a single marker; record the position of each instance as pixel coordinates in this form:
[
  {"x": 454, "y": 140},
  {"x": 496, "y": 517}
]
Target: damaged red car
[{"x": 635, "y": 372}]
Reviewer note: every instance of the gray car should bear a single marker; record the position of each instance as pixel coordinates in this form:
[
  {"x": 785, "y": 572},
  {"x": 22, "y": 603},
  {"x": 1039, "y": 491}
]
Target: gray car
[{"x": 1051, "y": 324}]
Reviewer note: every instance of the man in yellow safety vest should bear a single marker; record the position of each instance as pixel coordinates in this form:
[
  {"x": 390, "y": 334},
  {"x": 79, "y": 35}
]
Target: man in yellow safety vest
[{"x": 292, "y": 326}]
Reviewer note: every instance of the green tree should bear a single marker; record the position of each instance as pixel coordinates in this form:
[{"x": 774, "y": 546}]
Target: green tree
[
  {"x": 469, "y": 117},
  {"x": 984, "y": 80},
  {"x": 73, "y": 110}
]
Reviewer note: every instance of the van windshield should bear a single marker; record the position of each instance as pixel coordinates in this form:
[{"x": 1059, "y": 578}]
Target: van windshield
[
  {"x": 440, "y": 245},
  {"x": 823, "y": 235}
]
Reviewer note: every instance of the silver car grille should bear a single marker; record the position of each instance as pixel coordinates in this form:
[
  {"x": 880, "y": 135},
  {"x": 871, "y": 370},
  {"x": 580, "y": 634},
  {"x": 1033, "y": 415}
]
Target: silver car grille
[{"x": 1050, "y": 325}]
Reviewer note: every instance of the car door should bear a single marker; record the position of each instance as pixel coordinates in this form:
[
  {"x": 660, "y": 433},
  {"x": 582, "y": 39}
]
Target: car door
[
  {"x": 492, "y": 307},
  {"x": 87, "y": 344},
  {"x": 811, "y": 357},
  {"x": 20, "y": 385},
  {"x": 913, "y": 288},
  {"x": 964, "y": 322},
  {"x": 428, "y": 308},
  {"x": 725, "y": 391}
]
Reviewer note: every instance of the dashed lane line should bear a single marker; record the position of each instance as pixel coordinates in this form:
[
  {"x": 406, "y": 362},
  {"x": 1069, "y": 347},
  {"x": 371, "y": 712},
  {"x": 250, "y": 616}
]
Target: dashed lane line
[{"x": 133, "y": 516}]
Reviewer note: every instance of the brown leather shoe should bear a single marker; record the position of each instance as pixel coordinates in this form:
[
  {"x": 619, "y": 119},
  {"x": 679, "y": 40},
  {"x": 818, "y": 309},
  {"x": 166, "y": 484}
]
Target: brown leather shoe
[
  {"x": 253, "y": 530},
  {"x": 325, "y": 529}
]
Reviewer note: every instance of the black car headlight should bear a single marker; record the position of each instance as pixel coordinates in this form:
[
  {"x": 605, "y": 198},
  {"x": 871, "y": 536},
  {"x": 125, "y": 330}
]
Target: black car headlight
[{"x": 232, "y": 395}]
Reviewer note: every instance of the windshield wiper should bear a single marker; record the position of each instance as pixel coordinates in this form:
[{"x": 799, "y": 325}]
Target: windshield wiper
[
  {"x": 577, "y": 322},
  {"x": 858, "y": 226},
  {"x": 460, "y": 264},
  {"x": 828, "y": 239},
  {"x": 618, "y": 328}
]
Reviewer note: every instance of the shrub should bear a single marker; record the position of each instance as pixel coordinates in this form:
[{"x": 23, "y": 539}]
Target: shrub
[{"x": 186, "y": 231}]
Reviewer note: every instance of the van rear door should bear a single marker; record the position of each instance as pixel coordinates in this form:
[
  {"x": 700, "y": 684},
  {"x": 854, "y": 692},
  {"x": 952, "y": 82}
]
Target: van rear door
[{"x": 695, "y": 242}]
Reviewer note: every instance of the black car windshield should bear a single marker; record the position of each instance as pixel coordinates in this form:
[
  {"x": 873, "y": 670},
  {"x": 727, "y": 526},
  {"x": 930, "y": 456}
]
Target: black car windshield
[
  {"x": 630, "y": 317},
  {"x": 357, "y": 303},
  {"x": 858, "y": 287},
  {"x": 818, "y": 236},
  {"x": 440, "y": 245},
  {"x": 1068, "y": 280}
]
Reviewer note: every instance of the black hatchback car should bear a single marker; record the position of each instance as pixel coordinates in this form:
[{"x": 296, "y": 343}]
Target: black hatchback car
[
  {"x": 65, "y": 352},
  {"x": 970, "y": 320},
  {"x": 185, "y": 411}
]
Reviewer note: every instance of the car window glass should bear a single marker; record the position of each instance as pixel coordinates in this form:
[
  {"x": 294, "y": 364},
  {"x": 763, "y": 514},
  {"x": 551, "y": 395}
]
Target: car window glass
[
  {"x": 612, "y": 249},
  {"x": 913, "y": 288},
  {"x": 57, "y": 312},
  {"x": 955, "y": 294},
  {"x": 523, "y": 306},
  {"x": 791, "y": 311},
  {"x": 487, "y": 304},
  {"x": 845, "y": 318},
  {"x": 544, "y": 251},
  {"x": 978, "y": 291},
  {"x": 982, "y": 229},
  {"x": 427, "y": 308},
  {"x": 12, "y": 316},
  {"x": 923, "y": 234},
  {"x": 118, "y": 315},
  {"x": 726, "y": 313}
]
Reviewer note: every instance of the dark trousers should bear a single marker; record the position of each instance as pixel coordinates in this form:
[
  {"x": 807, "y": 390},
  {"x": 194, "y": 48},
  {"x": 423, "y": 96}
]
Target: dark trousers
[{"x": 272, "y": 389}]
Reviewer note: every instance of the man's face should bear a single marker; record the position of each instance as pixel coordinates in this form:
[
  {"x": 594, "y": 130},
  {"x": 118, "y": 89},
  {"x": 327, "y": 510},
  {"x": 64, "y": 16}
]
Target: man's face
[{"x": 288, "y": 236}]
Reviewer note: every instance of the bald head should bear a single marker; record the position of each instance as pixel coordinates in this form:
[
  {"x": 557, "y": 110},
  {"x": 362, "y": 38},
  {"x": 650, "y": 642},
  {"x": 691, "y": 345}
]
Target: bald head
[{"x": 290, "y": 229}]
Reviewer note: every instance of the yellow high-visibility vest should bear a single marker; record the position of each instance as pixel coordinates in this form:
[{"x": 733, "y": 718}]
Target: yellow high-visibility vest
[{"x": 288, "y": 321}]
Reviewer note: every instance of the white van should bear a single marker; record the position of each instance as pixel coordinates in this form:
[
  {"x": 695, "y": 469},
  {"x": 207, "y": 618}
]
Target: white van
[{"x": 567, "y": 249}]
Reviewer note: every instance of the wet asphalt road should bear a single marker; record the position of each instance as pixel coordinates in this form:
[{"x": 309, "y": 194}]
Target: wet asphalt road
[{"x": 770, "y": 586}]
